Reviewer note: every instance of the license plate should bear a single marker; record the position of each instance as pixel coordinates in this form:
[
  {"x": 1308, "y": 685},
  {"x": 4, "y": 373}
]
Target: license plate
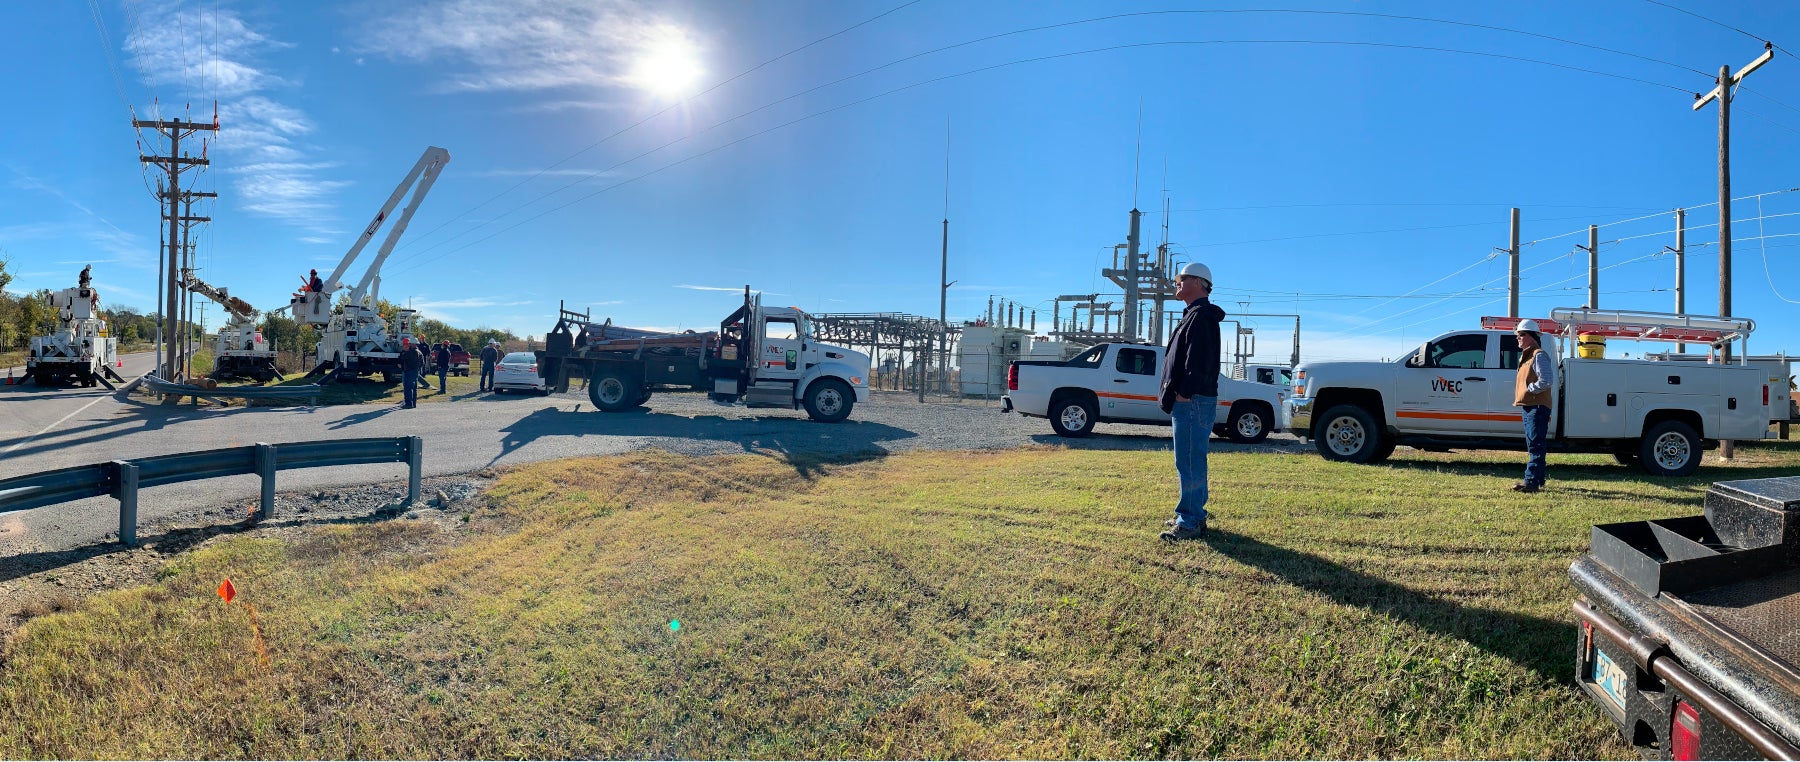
[{"x": 1609, "y": 677}]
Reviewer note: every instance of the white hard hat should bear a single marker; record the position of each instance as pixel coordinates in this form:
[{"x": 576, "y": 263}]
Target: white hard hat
[
  {"x": 1526, "y": 325},
  {"x": 1197, "y": 270}
]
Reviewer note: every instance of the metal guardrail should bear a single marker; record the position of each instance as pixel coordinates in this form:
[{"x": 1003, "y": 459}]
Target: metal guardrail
[
  {"x": 308, "y": 392},
  {"x": 122, "y": 479}
]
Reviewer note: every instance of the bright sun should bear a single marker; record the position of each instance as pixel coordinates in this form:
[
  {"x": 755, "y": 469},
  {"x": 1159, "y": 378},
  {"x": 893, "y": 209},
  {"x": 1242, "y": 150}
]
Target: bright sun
[{"x": 668, "y": 67}]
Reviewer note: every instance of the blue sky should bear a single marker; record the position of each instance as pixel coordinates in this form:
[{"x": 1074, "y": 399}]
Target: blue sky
[{"x": 1319, "y": 161}]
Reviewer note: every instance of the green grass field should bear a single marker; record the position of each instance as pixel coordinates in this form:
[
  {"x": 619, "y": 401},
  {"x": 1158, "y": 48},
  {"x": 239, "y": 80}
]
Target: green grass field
[{"x": 925, "y": 605}]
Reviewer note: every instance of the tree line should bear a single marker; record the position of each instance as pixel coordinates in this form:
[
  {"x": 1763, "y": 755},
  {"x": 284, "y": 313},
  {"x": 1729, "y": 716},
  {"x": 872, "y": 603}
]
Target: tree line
[{"x": 25, "y": 315}]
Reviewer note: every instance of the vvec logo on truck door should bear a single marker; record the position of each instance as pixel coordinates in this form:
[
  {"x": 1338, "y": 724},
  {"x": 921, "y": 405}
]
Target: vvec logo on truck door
[{"x": 1441, "y": 384}]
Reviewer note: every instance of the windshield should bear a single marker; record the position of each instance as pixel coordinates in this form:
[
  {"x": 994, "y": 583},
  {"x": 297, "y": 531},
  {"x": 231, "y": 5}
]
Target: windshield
[{"x": 519, "y": 357}]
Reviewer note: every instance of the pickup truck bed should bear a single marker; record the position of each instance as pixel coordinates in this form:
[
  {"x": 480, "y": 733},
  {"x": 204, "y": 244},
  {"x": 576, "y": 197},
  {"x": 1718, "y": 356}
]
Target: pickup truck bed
[{"x": 1701, "y": 611}]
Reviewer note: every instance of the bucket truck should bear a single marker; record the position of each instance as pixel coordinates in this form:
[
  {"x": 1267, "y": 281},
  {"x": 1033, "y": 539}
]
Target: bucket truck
[
  {"x": 239, "y": 350},
  {"x": 80, "y": 350},
  {"x": 356, "y": 340}
]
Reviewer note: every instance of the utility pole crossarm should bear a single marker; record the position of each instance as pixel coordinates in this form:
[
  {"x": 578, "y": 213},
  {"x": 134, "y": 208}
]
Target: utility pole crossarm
[{"x": 173, "y": 160}]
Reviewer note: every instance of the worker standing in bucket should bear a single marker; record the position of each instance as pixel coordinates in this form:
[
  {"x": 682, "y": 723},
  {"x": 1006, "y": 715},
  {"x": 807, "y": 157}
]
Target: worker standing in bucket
[
  {"x": 1531, "y": 392},
  {"x": 1190, "y": 395}
]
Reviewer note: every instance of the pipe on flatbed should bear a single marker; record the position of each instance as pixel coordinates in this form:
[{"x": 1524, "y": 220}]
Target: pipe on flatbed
[{"x": 1652, "y": 655}]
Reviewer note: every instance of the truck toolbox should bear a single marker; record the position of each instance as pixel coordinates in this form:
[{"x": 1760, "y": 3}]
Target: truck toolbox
[{"x": 1689, "y": 637}]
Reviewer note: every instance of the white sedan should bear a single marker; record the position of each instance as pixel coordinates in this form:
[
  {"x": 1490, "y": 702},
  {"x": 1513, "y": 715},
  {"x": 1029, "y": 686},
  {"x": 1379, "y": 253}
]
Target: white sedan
[{"x": 518, "y": 370}]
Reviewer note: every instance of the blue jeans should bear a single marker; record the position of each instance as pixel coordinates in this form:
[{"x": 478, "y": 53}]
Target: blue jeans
[
  {"x": 443, "y": 373},
  {"x": 1537, "y": 432},
  {"x": 487, "y": 375},
  {"x": 1193, "y": 423},
  {"x": 411, "y": 383}
]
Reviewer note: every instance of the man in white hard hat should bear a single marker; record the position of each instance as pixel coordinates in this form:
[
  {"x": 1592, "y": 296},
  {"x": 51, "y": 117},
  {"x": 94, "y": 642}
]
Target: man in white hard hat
[
  {"x": 1532, "y": 392},
  {"x": 1190, "y": 395}
]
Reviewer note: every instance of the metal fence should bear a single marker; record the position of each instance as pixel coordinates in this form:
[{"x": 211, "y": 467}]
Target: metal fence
[{"x": 122, "y": 479}]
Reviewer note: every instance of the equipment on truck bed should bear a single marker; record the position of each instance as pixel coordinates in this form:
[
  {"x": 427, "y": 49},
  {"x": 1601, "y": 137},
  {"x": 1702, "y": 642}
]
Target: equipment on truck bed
[
  {"x": 239, "y": 349},
  {"x": 79, "y": 351},
  {"x": 356, "y": 339}
]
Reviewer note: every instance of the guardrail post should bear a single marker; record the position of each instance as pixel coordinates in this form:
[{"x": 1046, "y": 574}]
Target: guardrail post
[
  {"x": 128, "y": 502},
  {"x": 415, "y": 449},
  {"x": 265, "y": 468}
]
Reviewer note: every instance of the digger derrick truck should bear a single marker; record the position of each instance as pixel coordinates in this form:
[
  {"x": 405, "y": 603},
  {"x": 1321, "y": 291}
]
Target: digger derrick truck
[
  {"x": 239, "y": 349},
  {"x": 764, "y": 357},
  {"x": 355, "y": 339},
  {"x": 80, "y": 351}
]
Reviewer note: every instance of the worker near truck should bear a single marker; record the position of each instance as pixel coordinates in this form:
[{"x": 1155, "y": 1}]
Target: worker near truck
[
  {"x": 1190, "y": 395},
  {"x": 490, "y": 355},
  {"x": 442, "y": 357},
  {"x": 1531, "y": 392},
  {"x": 412, "y": 363}
]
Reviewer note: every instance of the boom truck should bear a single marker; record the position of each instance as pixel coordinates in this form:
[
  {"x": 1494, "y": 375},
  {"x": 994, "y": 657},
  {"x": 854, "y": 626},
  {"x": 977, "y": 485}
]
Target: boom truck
[
  {"x": 79, "y": 351},
  {"x": 239, "y": 349},
  {"x": 356, "y": 340},
  {"x": 1456, "y": 392},
  {"x": 765, "y": 357}
]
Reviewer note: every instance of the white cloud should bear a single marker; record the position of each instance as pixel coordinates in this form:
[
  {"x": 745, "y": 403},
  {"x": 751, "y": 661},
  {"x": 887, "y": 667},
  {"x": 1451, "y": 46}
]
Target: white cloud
[
  {"x": 430, "y": 304},
  {"x": 525, "y": 44},
  {"x": 201, "y": 51}
]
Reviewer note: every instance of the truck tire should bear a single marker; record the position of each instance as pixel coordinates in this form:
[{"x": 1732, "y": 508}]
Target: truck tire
[
  {"x": 612, "y": 391},
  {"x": 1249, "y": 423},
  {"x": 1670, "y": 448},
  {"x": 1072, "y": 416},
  {"x": 829, "y": 400},
  {"x": 1348, "y": 433}
]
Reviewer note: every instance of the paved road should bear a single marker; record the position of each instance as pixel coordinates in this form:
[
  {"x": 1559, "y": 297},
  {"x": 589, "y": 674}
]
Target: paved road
[
  {"x": 461, "y": 436},
  {"x": 26, "y": 409}
]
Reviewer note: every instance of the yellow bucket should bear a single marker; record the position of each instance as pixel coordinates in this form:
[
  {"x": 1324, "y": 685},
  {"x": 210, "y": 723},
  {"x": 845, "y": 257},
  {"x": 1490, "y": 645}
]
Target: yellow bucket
[{"x": 1591, "y": 346}]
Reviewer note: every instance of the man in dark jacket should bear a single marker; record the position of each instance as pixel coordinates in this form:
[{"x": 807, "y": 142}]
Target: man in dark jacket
[
  {"x": 442, "y": 358},
  {"x": 412, "y": 363},
  {"x": 1190, "y": 395},
  {"x": 490, "y": 355}
]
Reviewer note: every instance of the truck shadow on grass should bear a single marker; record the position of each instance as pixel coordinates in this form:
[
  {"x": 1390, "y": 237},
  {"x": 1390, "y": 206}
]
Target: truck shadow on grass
[
  {"x": 802, "y": 443},
  {"x": 1603, "y": 473},
  {"x": 1543, "y": 646}
]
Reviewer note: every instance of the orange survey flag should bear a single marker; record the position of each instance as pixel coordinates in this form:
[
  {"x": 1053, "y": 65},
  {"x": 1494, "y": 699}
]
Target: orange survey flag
[{"x": 227, "y": 590}]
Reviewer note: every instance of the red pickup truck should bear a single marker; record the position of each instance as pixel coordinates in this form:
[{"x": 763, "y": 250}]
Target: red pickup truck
[{"x": 459, "y": 361}]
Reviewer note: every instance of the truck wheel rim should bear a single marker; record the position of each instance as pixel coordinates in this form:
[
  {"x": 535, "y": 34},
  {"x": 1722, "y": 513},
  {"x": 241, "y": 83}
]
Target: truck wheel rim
[
  {"x": 611, "y": 390},
  {"x": 1672, "y": 451},
  {"x": 1345, "y": 435},
  {"x": 1074, "y": 418},
  {"x": 829, "y": 401},
  {"x": 1249, "y": 425}
]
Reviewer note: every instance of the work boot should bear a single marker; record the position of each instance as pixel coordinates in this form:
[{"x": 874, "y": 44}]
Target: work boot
[
  {"x": 1526, "y": 487},
  {"x": 1180, "y": 533}
]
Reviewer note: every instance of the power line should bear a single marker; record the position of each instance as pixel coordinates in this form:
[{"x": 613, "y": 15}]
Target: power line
[{"x": 1708, "y": 20}]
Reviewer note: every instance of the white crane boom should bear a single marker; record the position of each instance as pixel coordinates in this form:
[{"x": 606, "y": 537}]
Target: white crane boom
[
  {"x": 424, "y": 173},
  {"x": 238, "y": 308}
]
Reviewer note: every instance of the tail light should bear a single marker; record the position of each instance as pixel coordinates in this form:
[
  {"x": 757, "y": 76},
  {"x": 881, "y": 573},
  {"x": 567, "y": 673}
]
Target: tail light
[
  {"x": 1765, "y": 395},
  {"x": 534, "y": 367},
  {"x": 1012, "y": 378},
  {"x": 1684, "y": 732}
]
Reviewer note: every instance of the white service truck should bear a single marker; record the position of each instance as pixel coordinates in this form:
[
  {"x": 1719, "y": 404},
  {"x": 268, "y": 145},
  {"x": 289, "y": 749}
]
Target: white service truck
[
  {"x": 80, "y": 351},
  {"x": 1456, "y": 392},
  {"x": 1122, "y": 383}
]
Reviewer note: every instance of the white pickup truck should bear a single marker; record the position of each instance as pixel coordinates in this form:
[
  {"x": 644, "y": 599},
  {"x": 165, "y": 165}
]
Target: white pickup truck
[
  {"x": 1122, "y": 383},
  {"x": 1456, "y": 392}
]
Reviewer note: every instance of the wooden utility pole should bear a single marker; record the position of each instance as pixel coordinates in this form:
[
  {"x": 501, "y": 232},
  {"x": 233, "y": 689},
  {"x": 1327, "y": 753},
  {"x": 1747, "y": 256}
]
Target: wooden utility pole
[
  {"x": 1593, "y": 250},
  {"x": 1681, "y": 270},
  {"x": 1722, "y": 93},
  {"x": 1512, "y": 268},
  {"x": 173, "y": 164}
]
